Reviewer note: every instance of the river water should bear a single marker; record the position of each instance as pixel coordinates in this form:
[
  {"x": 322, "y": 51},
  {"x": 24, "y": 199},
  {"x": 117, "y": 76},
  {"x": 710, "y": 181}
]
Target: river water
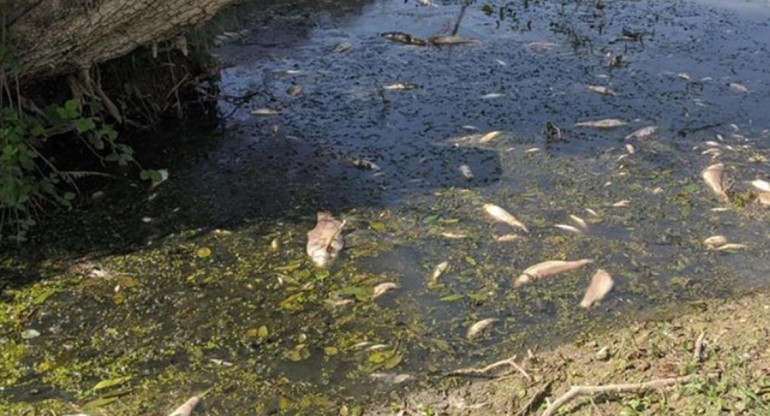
[{"x": 181, "y": 291}]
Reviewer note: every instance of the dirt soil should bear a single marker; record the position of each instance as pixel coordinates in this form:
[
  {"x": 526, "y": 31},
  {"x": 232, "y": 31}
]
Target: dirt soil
[{"x": 730, "y": 378}]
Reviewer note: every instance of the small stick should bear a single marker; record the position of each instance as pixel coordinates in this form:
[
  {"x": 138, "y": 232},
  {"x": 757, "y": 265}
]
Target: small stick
[
  {"x": 485, "y": 370},
  {"x": 697, "y": 355},
  {"x": 536, "y": 399},
  {"x": 576, "y": 391}
]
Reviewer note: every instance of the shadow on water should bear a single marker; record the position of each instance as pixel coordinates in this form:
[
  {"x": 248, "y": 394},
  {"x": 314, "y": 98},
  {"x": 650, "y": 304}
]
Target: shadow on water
[{"x": 192, "y": 291}]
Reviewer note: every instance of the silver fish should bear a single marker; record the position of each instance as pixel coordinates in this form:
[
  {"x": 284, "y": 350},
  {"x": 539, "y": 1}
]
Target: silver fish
[
  {"x": 504, "y": 216},
  {"x": 606, "y": 123},
  {"x": 643, "y": 133},
  {"x": 712, "y": 175},
  {"x": 479, "y": 326},
  {"x": 569, "y": 228},
  {"x": 548, "y": 268},
  {"x": 400, "y": 86},
  {"x": 342, "y": 47},
  {"x": 739, "y": 88},
  {"x": 507, "y": 238},
  {"x": 264, "y": 112},
  {"x": 601, "y": 284},
  {"x": 383, "y": 288},
  {"x": 325, "y": 241},
  {"x": 600, "y": 90},
  {"x": 466, "y": 171},
  {"x": 438, "y": 271},
  {"x": 622, "y": 204},
  {"x": 763, "y": 186},
  {"x": 492, "y": 135}
]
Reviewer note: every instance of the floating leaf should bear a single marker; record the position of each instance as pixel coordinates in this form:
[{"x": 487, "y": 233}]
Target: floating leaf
[
  {"x": 452, "y": 298},
  {"x": 30, "y": 333},
  {"x": 393, "y": 361},
  {"x": 331, "y": 351},
  {"x": 377, "y": 226},
  {"x": 105, "y": 384},
  {"x": 203, "y": 252},
  {"x": 293, "y": 302},
  {"x": 430, "y": 219},
  {"x": 43, "y": 296},
  {"x": 263, "y": 332},
  {"x": 290, "y": 266}
]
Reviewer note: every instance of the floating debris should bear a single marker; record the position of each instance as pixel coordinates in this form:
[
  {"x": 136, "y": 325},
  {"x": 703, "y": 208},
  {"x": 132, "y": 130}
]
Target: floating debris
[
  {"x": 383, "y": 288},
  {"x": 400, "y": 86},
  {"x": 451, "y": 40},
  {"x": 402, "y": 37},
  {"x": 504, "y": 216},
  {"x": 392, "y": 378},
  {"x": 712, "y": 175},
  {"x": 606, "y": 123},
  {"x": 548, "y": 268},
  {"x": 438, "y": 271},
  {"x": 643, "y": 133},
  {"x": 466, "y": 171},
  {"x": 265, "y": 112},
  {"x": 600, "y": 90},
  {"x": 360, "y": 163},
  {"x": 601, "y": 284},
  {"x": 163, "y": 177},
  {"x": 342, "y": 47},
  {"x": 325, "y": 241},
  {"x": 479, "y": 326},
  {"x": 569, "y": 228},
  {"x": 552, "y": 133},
  {"x": 715, "y": 241},
  {"x": 187, "y": 408},
  {"x": 492, "y": 135},
  {"x": 684, "y": 76}
]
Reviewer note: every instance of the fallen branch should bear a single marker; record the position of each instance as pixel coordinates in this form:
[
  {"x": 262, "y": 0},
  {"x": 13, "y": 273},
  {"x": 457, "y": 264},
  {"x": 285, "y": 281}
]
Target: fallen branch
[
  {"x": 576, "y": 391},
  {"x": 484, "y": 372}
]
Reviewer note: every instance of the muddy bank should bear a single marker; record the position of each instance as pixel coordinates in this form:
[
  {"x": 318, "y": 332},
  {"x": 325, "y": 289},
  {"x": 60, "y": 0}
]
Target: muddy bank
[{"x": 711, "y": 356}]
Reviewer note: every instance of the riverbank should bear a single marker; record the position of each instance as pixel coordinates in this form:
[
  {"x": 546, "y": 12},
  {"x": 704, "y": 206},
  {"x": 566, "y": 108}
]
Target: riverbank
[{"x": 705, "y": 358}]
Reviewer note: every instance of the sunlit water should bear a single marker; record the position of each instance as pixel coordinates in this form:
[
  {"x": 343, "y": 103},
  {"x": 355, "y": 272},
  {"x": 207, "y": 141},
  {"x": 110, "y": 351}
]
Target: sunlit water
[{"x": 264, "y": 177}]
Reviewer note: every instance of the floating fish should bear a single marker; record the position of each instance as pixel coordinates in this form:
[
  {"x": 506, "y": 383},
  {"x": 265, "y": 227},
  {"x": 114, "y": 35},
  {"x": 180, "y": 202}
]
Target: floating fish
[
  {"x": 383, "y": 288},
  {"x": 466, "y": 171},
  {"x": 479, "y": 326},
  {"x": 712, "y": 175},
  {"x": 715, "y": 241},
  {"x": 569, "y": 228},
  {"x": 400, "y": 86},
  {"x": 731, "y": 246},
  {"x": 684, "y": 76},
  {"x": 643, "y": 133},
  {"x": 438, "y": 271},
  {"x": 532, "y": 150},
  {"x": 601, "y": 284},
  {"x": 711, "y": 143},
  {"x": 491, "y": 96},
  {"x": 402, "y": 37},
  {"x": 325, "y": 241},
  {"x": 426, "y": 3},
  {"x": 294, "y": 90},
  {"x": 548, "y": 268},
  {"x": 501, "y": 62},
  {"x": 360, "y": 163},
  {"x": 600, "y": 90},
  {"x": 739, "y": 88},
  {"x": 451, "y": 40},
  {"x": 342, "y": 47},
  {"x": 622, "y": 204},
  {"x": 454, "y": 236},
  {"x": 592, "y": 212},
  {"x": 492, "y": 135},
  {"x": 507, "y": 238},
  {"x": 504, "y": 216},
  {"x": 763, "y": 186},
  {"x": 579, "y": 221},
  {"x": 630, "y": 149},
  {"x": 606, "y": 123},
  {"x": 187, "y": 408},
  {"x": 265, "y": 112}
]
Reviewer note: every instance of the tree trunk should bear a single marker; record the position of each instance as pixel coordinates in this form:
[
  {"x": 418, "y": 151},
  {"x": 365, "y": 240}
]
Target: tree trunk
[{"x": 56, "y": 37}]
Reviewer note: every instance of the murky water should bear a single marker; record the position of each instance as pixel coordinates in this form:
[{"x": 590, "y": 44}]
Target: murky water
[{"x": 261, "y": 326}]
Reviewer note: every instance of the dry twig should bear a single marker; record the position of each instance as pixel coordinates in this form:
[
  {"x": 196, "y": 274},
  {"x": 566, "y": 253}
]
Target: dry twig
[
  {"x": 536, "y": 399},
  {"x": 484, "y": 372}
]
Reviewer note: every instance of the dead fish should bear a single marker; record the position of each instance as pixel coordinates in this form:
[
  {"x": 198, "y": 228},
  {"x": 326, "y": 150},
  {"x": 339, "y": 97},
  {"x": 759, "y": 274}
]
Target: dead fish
[
  {"x": 731, "y": 246},
  {"x": 491, "y": 95},
  {"x": 361, "y": 163},
  {"x": 579, "y": 221},
  {"x": 507, "y": 238},
  {"x": 325, "y": 241},
  {"x": 532, "y": 150},
  {"x": 392, "y": 378},
  {"x": 600, "y": 90},
  {"x": 548, "y": 268},
  {"x": 187, "y": 408},
  {"x": 711, "y": 143},
  {"x": 684, "y": 76},
  {"x": 400, "y": 86},
  {"x": 466, "y": 171},
  {"x": 643, "y": 133},
  {"x": 438, "y": 271},
  {"x": 264, "y": 112},
  {"x": 601, "y": 284},
  {"x": 552, "y": 133},
  {"x": 492, "y": 135},
  {"x": 720, "y": 209},
  {"x": 763, "y": 186},
  {"x": 383, "y": 288},
  {"x": 294, "y": 90},
  {"x": 739, "y": 88},
  {"x": 426, "y": 3},
  {"x": 622, "y": 204},
  {"x": 377, "y": 347},
  {"x": 454, "y": 236},
  {"x": 479, "y": 326},
  {"x": 606, "y": 123},
  {"x": 402, "y": 37},
  {"x": 451, "y": 40},
  {"x": 504, "y": 216},
  {"x": 342, "y": 47},
  {"x": 712, "y": 175},
  {"x": 592, "y": 212},
  {"x": 569, "y": 228},
  {"x": 630, "y": 149},
  {"x": 715, "y": 241},
  {"x": 501, "y": 62}
]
